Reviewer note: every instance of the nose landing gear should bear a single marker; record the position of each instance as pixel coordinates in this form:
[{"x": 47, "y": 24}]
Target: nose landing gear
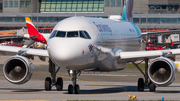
[{"x": 74, "y": 87}]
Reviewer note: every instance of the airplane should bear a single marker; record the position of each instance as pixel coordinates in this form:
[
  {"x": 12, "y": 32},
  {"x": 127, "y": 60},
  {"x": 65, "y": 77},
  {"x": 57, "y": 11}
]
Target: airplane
[
  {"x": 93, "y": 44},
  {"x": 35, "y": 36}
]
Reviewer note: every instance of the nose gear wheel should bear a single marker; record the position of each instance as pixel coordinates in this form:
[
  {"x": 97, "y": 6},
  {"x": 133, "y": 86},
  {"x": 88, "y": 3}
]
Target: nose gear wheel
[{"x": 74, "y": 87}]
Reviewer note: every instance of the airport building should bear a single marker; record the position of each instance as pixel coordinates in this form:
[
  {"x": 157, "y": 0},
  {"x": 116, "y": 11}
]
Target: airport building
[{"x": 148, "y": 14}]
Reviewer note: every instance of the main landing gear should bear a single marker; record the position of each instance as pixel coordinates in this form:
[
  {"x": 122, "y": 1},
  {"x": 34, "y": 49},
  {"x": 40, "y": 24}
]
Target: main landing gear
[
  {"x": 49, "y": 83},
  {"x": 141, "y": 83},
  {"x": 74, "y": 87}
]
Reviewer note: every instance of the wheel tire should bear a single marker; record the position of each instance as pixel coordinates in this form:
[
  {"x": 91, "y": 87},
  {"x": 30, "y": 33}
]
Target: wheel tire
[
  {"x": 149, "y": 84},
  {"x": 152, "y": 87},
  {"x": 76, "y": 89},
  {"x": 70, "y": 89},
  {"x": 59, "y": 84},
  {"x": 48, "y": 83},
  {"x": 140, "y": 84}
]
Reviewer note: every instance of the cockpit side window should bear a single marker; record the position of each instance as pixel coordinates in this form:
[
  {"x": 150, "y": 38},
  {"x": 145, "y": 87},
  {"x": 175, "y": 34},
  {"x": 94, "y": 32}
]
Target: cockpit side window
[
  {"x": 84, "y": 34},
  {"x": 53, "y": 34},
  {"x": 72, "y": 34},
  {"x": 87, "y": 34},
  {"x": 61, "y": 34}
]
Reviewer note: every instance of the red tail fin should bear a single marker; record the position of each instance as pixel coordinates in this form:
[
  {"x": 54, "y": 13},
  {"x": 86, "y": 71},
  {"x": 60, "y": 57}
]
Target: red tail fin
[
  {"x": 31, "y": 28},
  {"x": 33, "y": 33}
]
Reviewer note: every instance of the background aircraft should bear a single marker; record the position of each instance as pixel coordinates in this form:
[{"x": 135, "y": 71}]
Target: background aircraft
[
  {"x": 95, "y": 44},
  {"x": 35, "y": 36}
]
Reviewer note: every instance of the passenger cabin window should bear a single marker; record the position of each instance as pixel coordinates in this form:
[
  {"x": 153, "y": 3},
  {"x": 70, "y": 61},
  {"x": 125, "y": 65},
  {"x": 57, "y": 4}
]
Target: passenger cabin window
[
  {"x": 84, "y": 34},
  {"x": 53, "y": 34},
  {"x": 61, "y": 34},
  {"x": 72, "y": 34}
]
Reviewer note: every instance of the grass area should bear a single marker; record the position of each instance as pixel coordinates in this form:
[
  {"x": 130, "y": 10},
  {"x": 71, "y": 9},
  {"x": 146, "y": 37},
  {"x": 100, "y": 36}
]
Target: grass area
[{"x": 131, "y": 66}]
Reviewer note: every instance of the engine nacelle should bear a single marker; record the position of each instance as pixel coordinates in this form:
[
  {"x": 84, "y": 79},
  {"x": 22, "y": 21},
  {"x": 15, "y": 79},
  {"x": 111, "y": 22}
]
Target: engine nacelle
[
  {"x": 162, "y": 71},
  {"x": 18, "y": 69}
]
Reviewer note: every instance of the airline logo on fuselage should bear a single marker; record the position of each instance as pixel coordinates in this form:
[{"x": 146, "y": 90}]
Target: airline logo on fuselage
[
  {"x": 90, "y": 47},
  {"x": 131, "y": 30},
  {"x": 103, "y": 28}
]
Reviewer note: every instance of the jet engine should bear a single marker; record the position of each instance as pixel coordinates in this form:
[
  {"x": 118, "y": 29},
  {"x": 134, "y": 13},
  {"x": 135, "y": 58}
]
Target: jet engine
[
  {"x": 18, "y": 69},
  {"x": 162, "y": 71}
]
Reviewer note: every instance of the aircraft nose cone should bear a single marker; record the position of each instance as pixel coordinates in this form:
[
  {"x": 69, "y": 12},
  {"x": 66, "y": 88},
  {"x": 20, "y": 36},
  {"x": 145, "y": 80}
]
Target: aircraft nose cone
[
  {"x": 62, "y": 50},
  {"x": 61, "y": 53},
  {"x": 64, "y": 54}
]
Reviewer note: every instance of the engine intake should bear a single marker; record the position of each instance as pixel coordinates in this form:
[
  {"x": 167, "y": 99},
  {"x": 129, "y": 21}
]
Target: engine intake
[
  {"x": 18, "y": 69},
  {"x": 162, "y": 71}
]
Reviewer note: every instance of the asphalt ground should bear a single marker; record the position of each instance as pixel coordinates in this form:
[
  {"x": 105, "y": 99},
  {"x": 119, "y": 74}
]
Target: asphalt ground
[{"x": 93, "y": 85}]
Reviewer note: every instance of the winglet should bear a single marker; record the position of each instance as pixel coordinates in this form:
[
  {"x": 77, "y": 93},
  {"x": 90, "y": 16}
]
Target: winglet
[{"x": 128, "y": 11}]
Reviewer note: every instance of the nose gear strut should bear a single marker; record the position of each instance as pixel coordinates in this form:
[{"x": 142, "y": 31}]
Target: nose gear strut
[{"x": 74, "y": 87}]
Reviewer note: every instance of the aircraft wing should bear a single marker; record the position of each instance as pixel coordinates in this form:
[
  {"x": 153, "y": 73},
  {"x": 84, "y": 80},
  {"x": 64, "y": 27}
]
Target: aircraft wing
[
  {"x": 28, "y": 51},
  {"x": 137, "y": 55},
  {"x": 147, "y": 54},
  {"x": 160, "y": 32}
]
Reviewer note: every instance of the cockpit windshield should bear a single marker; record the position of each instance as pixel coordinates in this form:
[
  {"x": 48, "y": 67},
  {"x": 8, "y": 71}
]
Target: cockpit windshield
[
  {"x": 53, "y": 34},
  {"x": 70, "y": 34},
  {"x": 61, "y": 34}
]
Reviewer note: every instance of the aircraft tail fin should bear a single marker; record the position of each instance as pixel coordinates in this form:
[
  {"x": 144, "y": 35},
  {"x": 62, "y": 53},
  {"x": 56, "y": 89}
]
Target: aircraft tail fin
[
  {"x": 31, "y": 28},
  {"x": 128, "y": 11}
]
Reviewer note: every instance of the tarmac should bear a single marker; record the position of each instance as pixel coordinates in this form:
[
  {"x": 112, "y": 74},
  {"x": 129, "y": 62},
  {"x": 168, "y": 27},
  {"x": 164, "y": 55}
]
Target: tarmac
[{"x": 93, "y": 86}]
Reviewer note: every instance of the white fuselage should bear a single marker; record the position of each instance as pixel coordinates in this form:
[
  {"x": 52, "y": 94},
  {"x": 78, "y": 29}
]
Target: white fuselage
[{"x": 76, "y": 53}]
